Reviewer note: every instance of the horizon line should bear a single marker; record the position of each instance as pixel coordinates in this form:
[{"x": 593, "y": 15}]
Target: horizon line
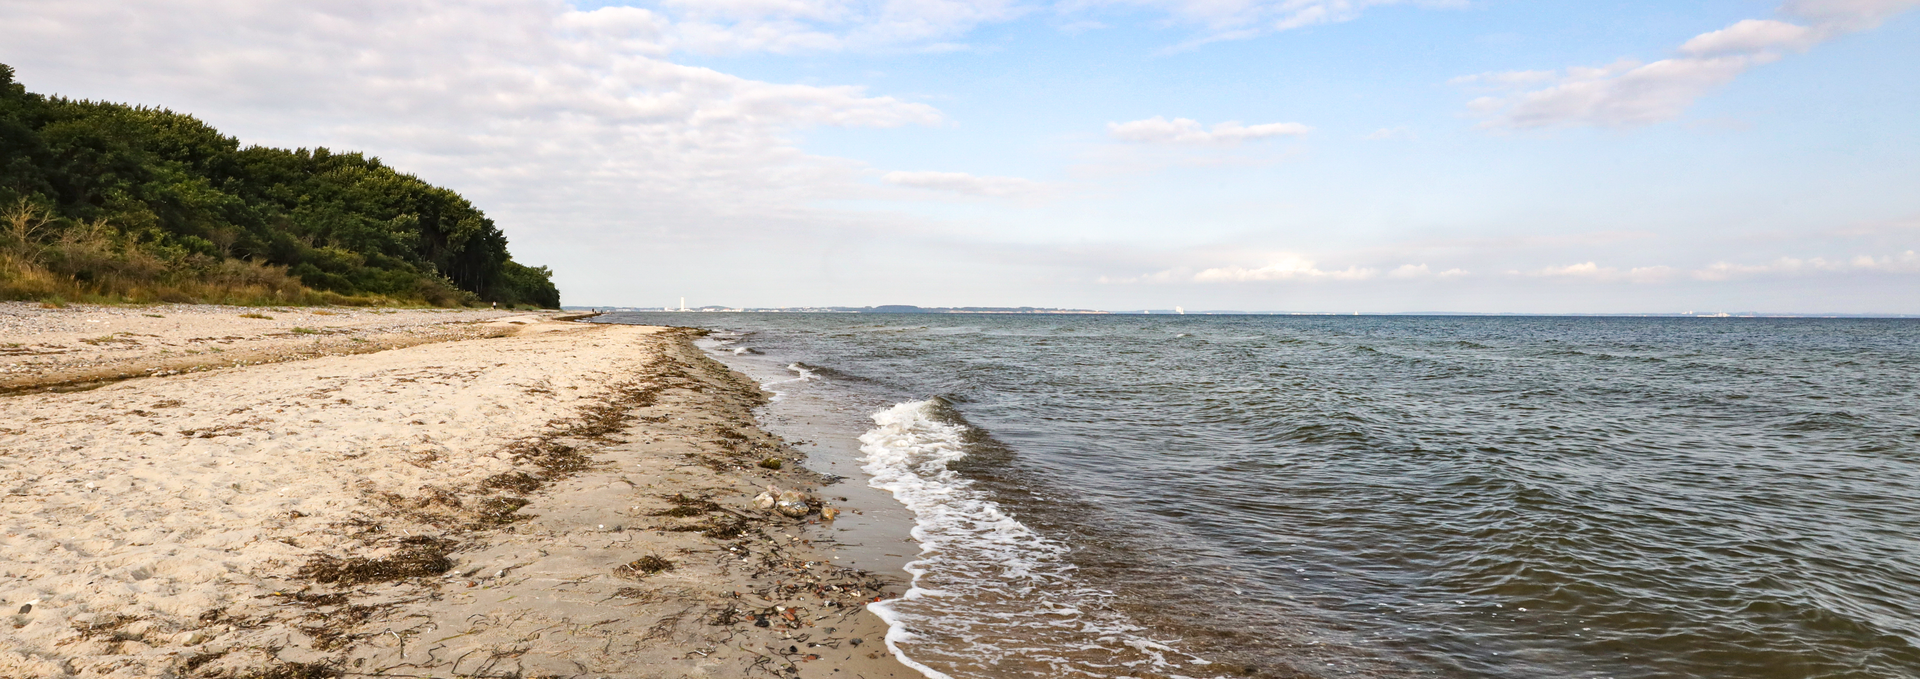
[{"x": 1029, "y": 310}]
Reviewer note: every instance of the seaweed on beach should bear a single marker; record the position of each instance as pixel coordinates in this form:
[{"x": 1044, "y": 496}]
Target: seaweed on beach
[
  {"x": 435, "y": 496},
  {"x": 276, "y": 669},
  {"x": 334, "y": 628},
  {"x": 291, "y": 670},
  {"x": 554, "y": 459},
  {"x": 310, "y": 599},
  {"x": 418, "y": 557},
  {"x": 718, "y": 528},
  {"x": 111, "y": 628},
  {"x": 643, "y": 566},
  {"x": 638, "y": 595},
  {"x": 500, "y": 511},
  {"x": 518, "y": 482},
  {"x": 684, "y": 506},
  {"x": 195, "y": 662},
  {"x": 610, "y": 417},
  {"x": 726, "y": 529}
]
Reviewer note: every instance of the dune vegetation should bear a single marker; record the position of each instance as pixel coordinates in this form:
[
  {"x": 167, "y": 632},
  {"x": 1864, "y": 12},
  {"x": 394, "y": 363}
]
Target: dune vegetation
[{"x": 113, "y": 203}]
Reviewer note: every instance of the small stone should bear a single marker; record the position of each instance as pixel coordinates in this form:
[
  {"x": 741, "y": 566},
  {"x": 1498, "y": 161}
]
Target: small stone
[{"x": 793, "y": 503}]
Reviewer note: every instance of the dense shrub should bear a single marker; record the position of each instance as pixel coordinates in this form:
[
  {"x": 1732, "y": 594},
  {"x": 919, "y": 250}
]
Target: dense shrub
[{"x": 101, "y": 200}]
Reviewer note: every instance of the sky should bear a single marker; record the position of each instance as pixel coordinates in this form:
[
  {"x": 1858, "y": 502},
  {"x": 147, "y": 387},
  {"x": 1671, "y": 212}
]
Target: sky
[{"x": 1541, "y": 156}]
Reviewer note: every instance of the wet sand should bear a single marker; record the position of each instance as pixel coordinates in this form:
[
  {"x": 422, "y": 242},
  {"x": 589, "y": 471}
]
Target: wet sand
[{"x": 514, "y": 495}]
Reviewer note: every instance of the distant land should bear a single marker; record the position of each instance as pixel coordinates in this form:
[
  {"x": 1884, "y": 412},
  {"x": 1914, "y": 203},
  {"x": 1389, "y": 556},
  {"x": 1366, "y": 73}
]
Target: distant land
[
  {"x": 911, "y": 309},
  {"x": 882, "y": 309}
]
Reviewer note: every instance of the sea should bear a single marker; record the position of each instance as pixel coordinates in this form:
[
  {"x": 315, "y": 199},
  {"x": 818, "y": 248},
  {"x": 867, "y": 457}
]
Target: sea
[{"x": 1364, "y": 496}]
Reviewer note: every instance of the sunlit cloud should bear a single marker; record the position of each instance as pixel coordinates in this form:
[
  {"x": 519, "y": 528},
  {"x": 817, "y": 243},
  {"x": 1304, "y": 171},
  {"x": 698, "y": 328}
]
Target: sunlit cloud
[
  {"x": 1420, "y": 271},
  {"x": 1159, "y": 130},
  {"x": 1595, "y": 272},
  {"x": 1630, "y": 93},
  {"x": 1902, "y": 263},
  {"x": 803, "y": 26},
  {"x": 1277, "y": 267},
  {"x": 1907, "y": 262},
  {"x": 961, "y": 182},
  {"x": 1225, "y": 20},
  {"x": 544, "y": 114}
]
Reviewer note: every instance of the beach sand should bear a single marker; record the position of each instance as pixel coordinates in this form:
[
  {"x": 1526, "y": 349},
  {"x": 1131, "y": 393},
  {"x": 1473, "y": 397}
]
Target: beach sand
[{"x": 479, "y": 494}]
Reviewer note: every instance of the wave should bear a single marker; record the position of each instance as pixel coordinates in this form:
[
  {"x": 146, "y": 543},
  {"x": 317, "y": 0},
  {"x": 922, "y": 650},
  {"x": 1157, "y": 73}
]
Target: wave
[
  {"x": 802, "y": 374},
  {"x": 989, "y": 595},
  {"x": 831, "y": 373}
]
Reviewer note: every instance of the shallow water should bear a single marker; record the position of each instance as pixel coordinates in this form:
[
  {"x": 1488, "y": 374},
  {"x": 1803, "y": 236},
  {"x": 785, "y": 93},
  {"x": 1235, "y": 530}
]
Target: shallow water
[{"x": 1390, "y": 496}]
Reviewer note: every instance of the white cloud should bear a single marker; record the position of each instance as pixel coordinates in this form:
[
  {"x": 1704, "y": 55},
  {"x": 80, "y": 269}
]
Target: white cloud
[
  {"x": 1241, "y": 19},
  {"x": 961, "y": 182},
  {"x": 1905, "y": 262},
  {"x": 1595, "y": 272},
  {"x": 1623, "y": 94},
  {"x": 1901, "y": 263},
  {"x": 1283, "y": 268},
  {"x": 794, "y": 26},
  {"x": 799, "y": 26},
  {"x": 1851, "y": 15},
  {"x": 1159, "y": 130},
  {"x": 1271, "y": 267},
  {"x": 1749, "y": 37},
  {"x": 1629, "y": 93},
  {"x": 1420, "y": 271},
  {"x": 549, "y": 118}
]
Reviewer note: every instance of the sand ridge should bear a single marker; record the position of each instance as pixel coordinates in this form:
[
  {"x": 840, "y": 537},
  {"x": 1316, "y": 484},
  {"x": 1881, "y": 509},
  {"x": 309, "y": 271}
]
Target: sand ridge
[
  {"x": 85, "y": 345},
  {"x": 563, "y": 499}
]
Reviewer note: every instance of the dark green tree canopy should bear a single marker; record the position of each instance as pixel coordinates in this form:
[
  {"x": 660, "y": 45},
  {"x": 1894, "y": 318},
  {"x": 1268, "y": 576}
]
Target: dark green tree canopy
[{"x": 339, "y": 222}]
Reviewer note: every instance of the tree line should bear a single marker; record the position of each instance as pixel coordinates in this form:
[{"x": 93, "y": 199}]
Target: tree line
[{"x": 118, "y": 203}]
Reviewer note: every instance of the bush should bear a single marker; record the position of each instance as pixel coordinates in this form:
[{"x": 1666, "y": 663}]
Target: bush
[{"x": 109, "y": 202}]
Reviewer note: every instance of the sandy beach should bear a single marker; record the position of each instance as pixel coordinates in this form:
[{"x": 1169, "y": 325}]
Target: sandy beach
[{"x": 187, "y": 491}]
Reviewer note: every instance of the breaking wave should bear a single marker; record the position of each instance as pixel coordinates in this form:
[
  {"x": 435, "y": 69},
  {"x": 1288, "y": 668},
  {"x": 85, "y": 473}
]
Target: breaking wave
[{"x": 989, "y": 595}]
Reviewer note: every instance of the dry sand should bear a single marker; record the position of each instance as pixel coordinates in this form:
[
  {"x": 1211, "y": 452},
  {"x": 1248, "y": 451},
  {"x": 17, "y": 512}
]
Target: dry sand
[
  {"x": 86, "y": 344},
  {"x": 548, "y": 499}
]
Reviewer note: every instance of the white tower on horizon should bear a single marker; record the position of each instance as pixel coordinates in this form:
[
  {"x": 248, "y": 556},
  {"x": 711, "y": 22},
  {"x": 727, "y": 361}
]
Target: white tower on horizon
[{"x": 683, "y": 304}]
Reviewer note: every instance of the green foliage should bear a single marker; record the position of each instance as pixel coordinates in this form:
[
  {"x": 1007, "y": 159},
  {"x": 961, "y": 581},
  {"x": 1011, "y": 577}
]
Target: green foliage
[{"x": 109, "y": 201}]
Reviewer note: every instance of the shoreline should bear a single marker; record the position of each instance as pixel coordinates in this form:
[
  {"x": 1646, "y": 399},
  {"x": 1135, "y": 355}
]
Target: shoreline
[
  {"x": 875, "y": 531},
  {"x": 547, "y": 498}
]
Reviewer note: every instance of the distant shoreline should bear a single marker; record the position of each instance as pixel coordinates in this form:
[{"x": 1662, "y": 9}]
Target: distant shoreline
[{"x": 1217, "y": 312}]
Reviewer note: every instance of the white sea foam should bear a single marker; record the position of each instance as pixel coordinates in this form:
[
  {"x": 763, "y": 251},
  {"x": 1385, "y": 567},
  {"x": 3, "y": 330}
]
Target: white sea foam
[
  {"x": 802, "y": 374},
  {"x": 987, "y": 591}
]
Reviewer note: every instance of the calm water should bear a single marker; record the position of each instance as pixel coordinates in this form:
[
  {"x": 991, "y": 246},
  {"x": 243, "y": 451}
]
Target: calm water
[{"x": 1367, "y": 496}]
